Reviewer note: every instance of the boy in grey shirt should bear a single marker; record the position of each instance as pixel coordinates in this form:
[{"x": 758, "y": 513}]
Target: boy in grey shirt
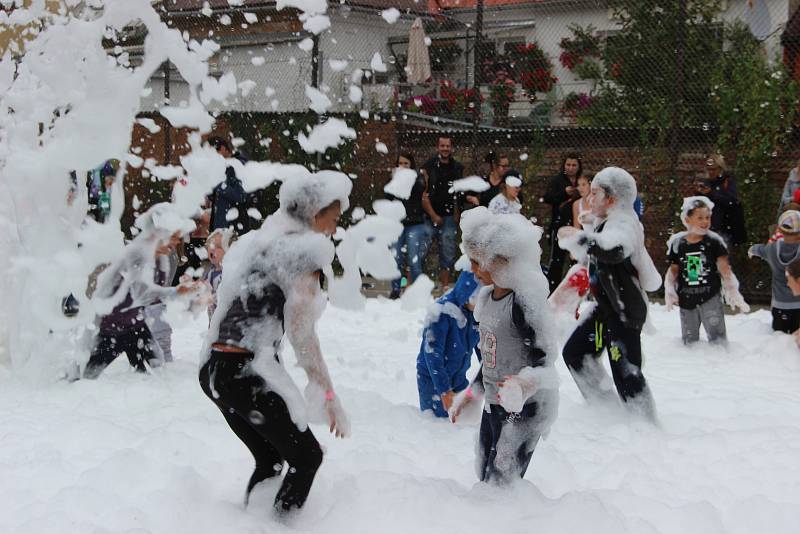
[
  {"x": 516, "y": 340},
  {"x": 779, "y": 254}
]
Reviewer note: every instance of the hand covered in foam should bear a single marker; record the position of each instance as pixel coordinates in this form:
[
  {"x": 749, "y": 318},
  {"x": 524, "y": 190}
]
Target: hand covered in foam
[
  {"x": 580, "y": 281},
  {"x": 337, "y": 418},
  {"x": 730, "y": 292},
  {"x": 565, "y": 232},
  {"x": 515, "y": 390},
  {"x": 670, "y": 290},
  {"x": 571, "y": 291},
  {"x": 462, "y": 400}
]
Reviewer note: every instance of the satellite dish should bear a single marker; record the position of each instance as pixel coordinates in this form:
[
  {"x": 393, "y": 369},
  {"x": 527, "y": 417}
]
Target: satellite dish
[{"x": 756, "y": 14}]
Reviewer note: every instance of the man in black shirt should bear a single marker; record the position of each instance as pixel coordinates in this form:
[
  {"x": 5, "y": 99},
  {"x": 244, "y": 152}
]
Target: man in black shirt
[
  {"x": 441, "y": 205},
  {"x": 561, "y": 192}
]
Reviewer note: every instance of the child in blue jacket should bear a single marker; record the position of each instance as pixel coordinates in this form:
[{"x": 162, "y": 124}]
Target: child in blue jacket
[{"x": 448, "y": 339}]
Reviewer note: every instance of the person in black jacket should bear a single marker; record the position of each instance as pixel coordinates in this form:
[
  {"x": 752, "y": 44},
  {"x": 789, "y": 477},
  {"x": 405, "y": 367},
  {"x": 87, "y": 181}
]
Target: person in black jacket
[
  {"x": 229, "y": 195},
  {"x": 562, "y": 191},
  {"x": 727, "y": 219},
  {"x": 620, "y": 270}
]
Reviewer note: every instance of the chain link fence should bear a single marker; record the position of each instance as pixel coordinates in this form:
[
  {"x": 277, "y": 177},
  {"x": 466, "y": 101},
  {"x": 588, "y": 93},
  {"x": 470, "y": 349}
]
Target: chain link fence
[{"x": 654, "y": 86}]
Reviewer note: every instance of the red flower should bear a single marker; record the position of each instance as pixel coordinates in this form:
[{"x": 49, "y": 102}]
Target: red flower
[{"x": 538, "y": 80}]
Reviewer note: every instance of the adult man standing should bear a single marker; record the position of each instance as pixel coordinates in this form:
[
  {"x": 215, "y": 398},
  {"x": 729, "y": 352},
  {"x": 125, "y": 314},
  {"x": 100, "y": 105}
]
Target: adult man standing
[
  {"x": 561, "y": 192},
  {"x": 441, "y": 205},
  {"x": 229, "y": 195}
]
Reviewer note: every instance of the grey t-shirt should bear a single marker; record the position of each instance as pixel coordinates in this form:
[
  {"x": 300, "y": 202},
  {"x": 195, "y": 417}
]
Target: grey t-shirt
[
  {"x": 505, "y": 350},
  {"x": 779, "y": 255}
]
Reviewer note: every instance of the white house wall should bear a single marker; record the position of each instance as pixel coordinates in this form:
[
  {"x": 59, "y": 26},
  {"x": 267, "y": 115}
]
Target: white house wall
[
  {"x": 280, "y": 80},
  {"x": 355, "y": 39},
  {"x": 287, "y": 69},
  {"x": 551, "y": 25}
]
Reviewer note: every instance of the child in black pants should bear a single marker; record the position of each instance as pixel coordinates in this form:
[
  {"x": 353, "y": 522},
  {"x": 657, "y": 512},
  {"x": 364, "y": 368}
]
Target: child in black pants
[
  {"x": 516, "y": 340},
  {"x": 619, "y": 271},
  {"x": 124, "y": 328}
]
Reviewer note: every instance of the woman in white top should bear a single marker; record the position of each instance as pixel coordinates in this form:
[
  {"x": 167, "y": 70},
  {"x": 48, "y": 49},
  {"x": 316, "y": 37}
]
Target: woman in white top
[
  {"x": 507, "y": 201},
  {"x": 581, "y": 210}
]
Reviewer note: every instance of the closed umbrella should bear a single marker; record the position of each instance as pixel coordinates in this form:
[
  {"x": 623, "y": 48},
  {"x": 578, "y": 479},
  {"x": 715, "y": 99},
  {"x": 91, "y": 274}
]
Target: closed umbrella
[{"x": 418, "y": 66}]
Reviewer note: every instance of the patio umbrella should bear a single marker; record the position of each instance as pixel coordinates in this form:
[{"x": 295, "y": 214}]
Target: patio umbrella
[{"x": 418, "y": 66}]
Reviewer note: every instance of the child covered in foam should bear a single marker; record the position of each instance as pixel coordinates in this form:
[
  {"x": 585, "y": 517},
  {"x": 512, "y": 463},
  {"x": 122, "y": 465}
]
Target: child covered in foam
[
  {"x": 517, "y": 342},
  {"x": 620, "y": 271},
  {"x": 700, "y": 275}
]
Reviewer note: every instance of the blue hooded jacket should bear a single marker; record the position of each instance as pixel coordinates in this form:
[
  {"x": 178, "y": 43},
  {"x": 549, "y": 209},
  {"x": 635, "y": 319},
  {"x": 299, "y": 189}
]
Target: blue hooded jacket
[{"x": 449, "y": 339}]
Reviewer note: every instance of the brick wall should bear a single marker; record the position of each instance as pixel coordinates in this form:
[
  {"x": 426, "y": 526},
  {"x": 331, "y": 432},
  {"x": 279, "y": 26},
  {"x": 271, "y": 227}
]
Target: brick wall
[{"x": 536, "y": 155}]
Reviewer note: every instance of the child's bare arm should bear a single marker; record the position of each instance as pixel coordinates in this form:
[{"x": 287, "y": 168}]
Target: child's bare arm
[
  {"x": 300, "y": 319},
  {"x": 724, "y": 267},
  {"x": 575, "y": 212},
  {"x": 671, "y": 286}
]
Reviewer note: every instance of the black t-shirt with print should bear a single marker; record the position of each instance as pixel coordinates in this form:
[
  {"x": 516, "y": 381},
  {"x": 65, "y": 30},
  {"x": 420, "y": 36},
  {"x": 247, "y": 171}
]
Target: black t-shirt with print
[{"x": 698, "y": 278}]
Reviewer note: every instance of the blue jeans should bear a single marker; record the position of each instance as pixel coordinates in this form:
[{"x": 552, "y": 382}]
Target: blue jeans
[
  {"x": 411, "y": 249},
  {"x": 446, "y": 237}
]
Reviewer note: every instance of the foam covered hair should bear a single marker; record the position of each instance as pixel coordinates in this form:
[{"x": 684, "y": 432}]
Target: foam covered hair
[
  {"x": 164, "y": 218},
  {"x": 225, "y": 234},
  {"x": 486, "y": 235},
  {"x": 303, "y": 197},
  {"x": 691, "y": 203},
  {"x": 619, "y": 184}
]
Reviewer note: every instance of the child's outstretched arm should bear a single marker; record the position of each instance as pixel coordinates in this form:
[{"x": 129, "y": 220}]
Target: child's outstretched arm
[
  {"x": 671, "y": 286},
  {"x": 730, "y": 285},
  {"x": 758, "y": 251},
  {"x": 579, "y": 242}
]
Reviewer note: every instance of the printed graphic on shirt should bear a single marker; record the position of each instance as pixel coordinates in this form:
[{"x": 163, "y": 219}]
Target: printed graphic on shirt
[
  {"x": 699, "y": 278},
  {"x": 696, "y": 272},
  {"x": 489, "y": 350}
]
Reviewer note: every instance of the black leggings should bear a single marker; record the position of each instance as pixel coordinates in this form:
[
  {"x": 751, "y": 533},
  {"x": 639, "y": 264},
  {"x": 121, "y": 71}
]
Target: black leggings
[
  {"x": 786, "y": 321},
  {"x": 137, "y": 344},
  {"x": 259, "y": 417},
  {"x": 582, "y": 356}
]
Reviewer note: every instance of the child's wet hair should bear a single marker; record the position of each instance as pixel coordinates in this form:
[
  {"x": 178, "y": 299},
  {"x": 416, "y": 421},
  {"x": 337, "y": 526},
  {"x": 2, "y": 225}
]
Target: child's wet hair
[{"x": 696, "y": 205}]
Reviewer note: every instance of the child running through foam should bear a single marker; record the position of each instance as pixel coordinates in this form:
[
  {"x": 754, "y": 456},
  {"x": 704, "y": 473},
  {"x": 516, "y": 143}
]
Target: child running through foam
[
  {"x": 128, "y": 285},
  {"x": 517, "y": 343},
  {"x": 700, "y": 275},
  {"x": 273, "y": 287},
  {"x": 448, "y": 340},
  {"x": 620, "y": 270}
]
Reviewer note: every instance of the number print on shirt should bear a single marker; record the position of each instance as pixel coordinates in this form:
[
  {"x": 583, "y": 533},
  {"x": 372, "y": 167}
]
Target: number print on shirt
[{"x": 489, "y": 350}]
